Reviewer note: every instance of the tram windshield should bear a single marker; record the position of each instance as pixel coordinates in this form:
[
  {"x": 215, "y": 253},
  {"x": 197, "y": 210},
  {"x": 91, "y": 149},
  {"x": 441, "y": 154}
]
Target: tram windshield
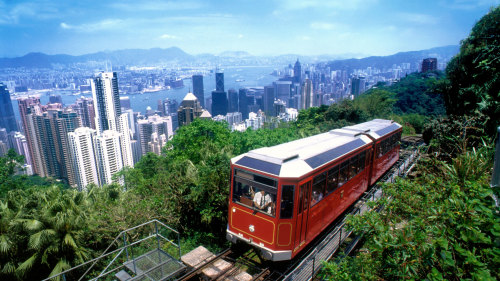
[{"x": 255, "y": 191}]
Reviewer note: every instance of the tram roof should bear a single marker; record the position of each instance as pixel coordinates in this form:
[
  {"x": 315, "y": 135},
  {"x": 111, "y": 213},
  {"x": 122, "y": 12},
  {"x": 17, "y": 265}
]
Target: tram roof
[
  {"x": 297, "y": 158},
  {"x": 376, "y": 128}
]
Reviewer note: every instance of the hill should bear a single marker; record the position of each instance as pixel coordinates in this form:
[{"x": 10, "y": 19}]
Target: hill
[
  {"x": 157, "y": 56},
  {"x": 119, "y": 57},
  {"x": 384, "y": 62}
]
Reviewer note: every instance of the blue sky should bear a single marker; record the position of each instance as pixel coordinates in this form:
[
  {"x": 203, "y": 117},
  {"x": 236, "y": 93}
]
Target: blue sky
[{"x": 260, "y": 27}]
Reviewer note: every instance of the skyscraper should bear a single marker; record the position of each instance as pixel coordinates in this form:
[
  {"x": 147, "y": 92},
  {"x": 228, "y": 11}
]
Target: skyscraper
[
  {"x": 279, "y": 108},
  {"x": 357, "y": 85},
  {"x": 429, "y": 64},
  {"x": 189, "y": 109},
  {"x": 106, "y": 101},
  {"x": 232, "y": 98},
  {"x": 219, "y": 82},
  {"x": 198, "y": 89},
  {"x": 109, "y": 156},
  {"x": 268, "y": 100},
  {"x": 125, "y": 138},
  {"x": 83, "y": 151},
  {"x": 297, "y": 72},
  {"x": 219, "y": 97},
  {"x": 243, "y": 103},
  {"x": 21, "y": 147},
  {"x": 156, "y": 143},
  {"x": 28, "y": 106},
  {"x": 219, "y": 103},
  {"x": 169, "y": 106},
  {"x": 50, "y": 134},
  {"x": 7, "y": 119},
  {"x": 307, "y": 97},
  {"x": 108, "y": 114},
  {"x": 282, "y": 90},
  {"x": 84, "y": 107},
  {"x": 161, "y": 126}
]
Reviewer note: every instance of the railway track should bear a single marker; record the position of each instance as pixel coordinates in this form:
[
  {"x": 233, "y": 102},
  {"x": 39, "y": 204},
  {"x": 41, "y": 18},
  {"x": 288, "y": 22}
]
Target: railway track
[
  {"x": 248, "y": 266},
  {"x": 230, "y": 264}
]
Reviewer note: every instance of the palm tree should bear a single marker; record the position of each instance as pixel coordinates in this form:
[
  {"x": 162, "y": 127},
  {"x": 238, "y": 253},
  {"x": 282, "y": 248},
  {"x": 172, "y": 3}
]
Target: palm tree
[{"x": 56, "y": 234}]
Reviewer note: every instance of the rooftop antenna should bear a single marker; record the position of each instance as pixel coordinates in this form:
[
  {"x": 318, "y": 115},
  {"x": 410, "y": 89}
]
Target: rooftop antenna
[
  {"x": 111, "y": 65},
  {"x": 106, "y": 65}
]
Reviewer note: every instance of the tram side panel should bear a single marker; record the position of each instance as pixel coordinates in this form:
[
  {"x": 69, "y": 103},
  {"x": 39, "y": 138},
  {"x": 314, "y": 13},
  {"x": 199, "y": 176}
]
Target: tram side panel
[
  {"x": 386, "y": 153},
  {"x": 340, "y": 185},
  {"x": 286, "y": 222}
]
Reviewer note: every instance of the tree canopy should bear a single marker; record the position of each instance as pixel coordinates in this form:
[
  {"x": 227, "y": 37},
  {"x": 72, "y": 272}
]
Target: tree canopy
[{"x": 473, "y": 84}]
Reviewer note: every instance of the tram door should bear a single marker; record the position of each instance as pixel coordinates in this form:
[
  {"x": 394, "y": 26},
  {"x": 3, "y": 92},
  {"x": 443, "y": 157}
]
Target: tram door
[{"x": 302, "y": 214}]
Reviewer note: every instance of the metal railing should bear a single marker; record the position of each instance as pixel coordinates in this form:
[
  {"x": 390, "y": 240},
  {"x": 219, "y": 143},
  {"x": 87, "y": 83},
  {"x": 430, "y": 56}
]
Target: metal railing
[{"x": 155, "y": 231}]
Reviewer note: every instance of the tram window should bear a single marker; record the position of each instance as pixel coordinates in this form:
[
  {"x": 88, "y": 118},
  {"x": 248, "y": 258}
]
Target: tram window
[
  {"x": 256, "y": 178},
  {"x": 332, "y": 182},
  {"x": 344, "y": 173},
  {"x": 353, "y": 166},
  {"x": 287, "y": 195},
  {"x": 264, "y": 180},
  {"x": 304, "y": 193},
  {"x": 318, "y": 188},
  {"x": 301, "y": 199},
  {"x": 253, "y": 194},
  {"x": 361, "y": 161}
]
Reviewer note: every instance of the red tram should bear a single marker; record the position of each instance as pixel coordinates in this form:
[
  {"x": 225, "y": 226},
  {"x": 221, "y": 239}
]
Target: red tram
[{"x": 283, "y": 196}]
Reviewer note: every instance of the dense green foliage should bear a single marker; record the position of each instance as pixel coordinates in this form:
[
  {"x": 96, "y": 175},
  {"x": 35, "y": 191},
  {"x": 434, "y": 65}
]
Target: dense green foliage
[
  {"x": 8, "y": 165},
  {"x": 473, "y": 84},
  {"x": 449, "y": 137},
  {"x": 413, "y": 101},
  {"x": 417, "y": 93},
  {"x": 441, "y": 225}
]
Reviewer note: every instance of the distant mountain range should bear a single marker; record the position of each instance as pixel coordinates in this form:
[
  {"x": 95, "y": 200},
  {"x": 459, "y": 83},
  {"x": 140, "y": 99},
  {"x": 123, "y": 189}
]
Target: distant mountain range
[
  {"x": 443, "y": 54},
  {"x": 174, "y": 55}
]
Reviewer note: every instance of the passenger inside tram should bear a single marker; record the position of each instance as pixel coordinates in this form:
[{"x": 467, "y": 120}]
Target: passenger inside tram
[
  {"x": 255, "y": 192},
  {"x": 263, "y": 201}
]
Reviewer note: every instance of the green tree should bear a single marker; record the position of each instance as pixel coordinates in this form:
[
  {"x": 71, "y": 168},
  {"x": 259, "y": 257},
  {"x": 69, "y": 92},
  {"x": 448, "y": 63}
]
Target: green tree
[
  {"x": 56, "y": 234},
  {"x": 473, "y": 75},
  {"x": 437, "y": 226},
  {"x": 8, "y": 165},
  {"x": 377, "y": 103}
]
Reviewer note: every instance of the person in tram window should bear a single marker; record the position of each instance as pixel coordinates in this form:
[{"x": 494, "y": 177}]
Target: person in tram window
[
  {"x": 263, "y": 201},
  {"x": 316, "y": 197}
]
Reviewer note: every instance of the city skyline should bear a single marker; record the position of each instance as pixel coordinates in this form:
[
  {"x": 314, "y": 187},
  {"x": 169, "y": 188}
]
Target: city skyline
[{"x": 362, "y": 27}]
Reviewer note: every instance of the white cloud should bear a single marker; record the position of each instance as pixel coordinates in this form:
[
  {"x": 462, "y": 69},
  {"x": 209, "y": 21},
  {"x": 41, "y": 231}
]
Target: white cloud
[
  {"x": 240, "y": 36},
  {"x": 304, "y": 38},
  {"x": 168, "y": 36},
  {"x": 106, "y": 24},
  {"x": 65, "y": 25},
  {"x": 38, "y": 10}
]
